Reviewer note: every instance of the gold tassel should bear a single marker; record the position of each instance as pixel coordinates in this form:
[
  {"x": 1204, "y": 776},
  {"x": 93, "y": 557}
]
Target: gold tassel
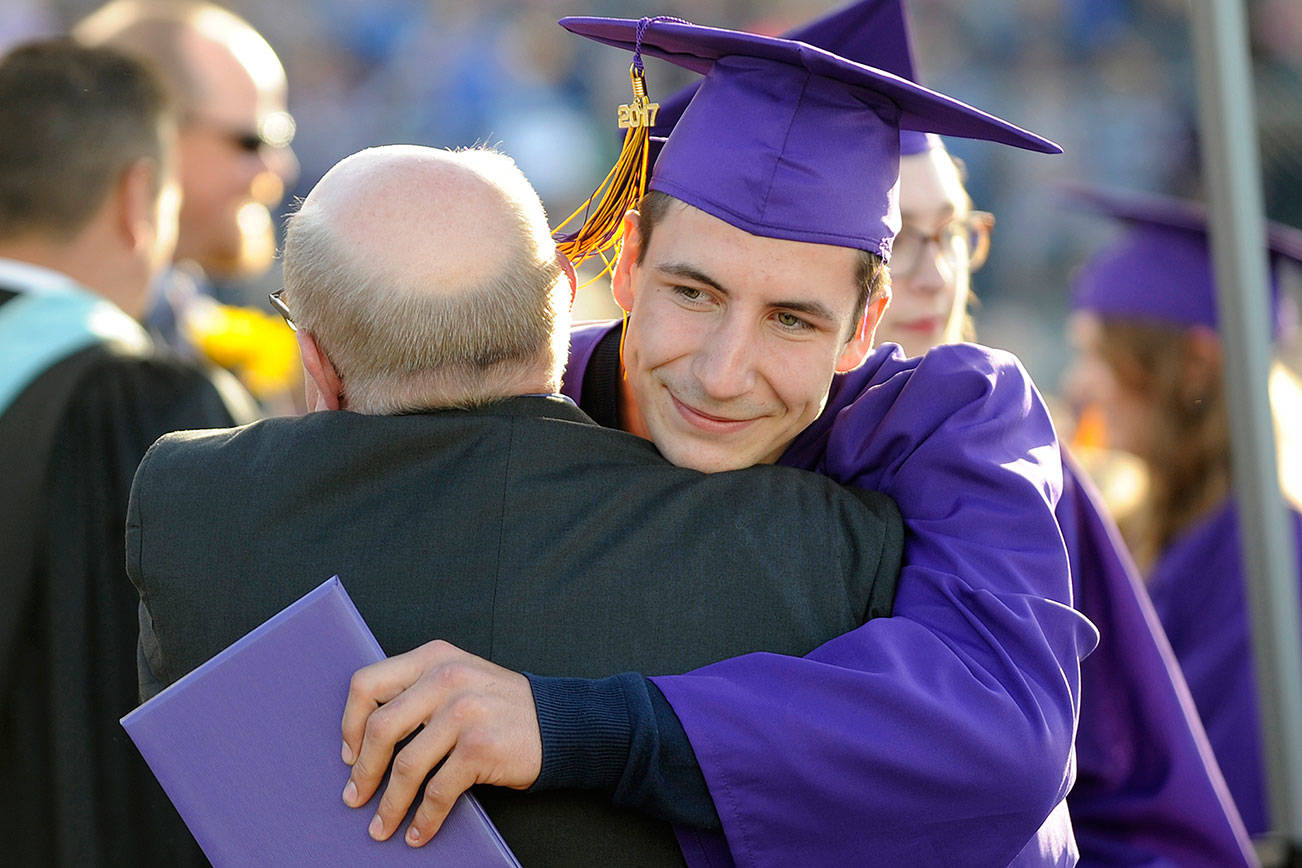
[{"x": 603, "y": 212}]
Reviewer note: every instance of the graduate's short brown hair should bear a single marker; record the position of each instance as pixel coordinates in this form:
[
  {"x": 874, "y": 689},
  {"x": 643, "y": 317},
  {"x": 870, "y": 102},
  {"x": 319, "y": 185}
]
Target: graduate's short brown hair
[
  {"x": 72, "y": 120},
  {"x": 870, "y": 271}
]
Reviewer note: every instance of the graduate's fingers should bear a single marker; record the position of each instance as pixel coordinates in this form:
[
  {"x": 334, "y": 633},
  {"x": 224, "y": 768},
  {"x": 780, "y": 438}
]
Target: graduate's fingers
[
  {"x": 385, "y": 727},
  {"x": 456, "y": 776},
  {"x": 410, "y": 767},
  {"x": 372, "y": 686}
]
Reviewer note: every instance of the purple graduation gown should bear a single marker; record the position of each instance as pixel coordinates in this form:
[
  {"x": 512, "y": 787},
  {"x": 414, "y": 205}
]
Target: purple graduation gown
[
  {"x": 1199, "y": 592},
  {"x": 1148, "y": 791},
  {"x": 942, "y": 735}
]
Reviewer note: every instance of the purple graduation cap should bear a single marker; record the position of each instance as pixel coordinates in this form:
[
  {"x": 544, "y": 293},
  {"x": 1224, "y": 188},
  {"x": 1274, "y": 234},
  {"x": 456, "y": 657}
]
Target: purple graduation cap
[
  {"x": 1161, "y": 267},
  {"x": 786, "y": 140},
  {"x": 871, "y": 32}
]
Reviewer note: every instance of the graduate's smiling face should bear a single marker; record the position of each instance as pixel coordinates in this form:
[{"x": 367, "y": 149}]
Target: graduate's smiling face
[{"x": 732, "y": 338}]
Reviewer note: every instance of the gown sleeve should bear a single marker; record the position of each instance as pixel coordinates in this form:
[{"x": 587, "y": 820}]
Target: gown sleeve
[
  {"x": 1148, "y": 790},
  {"x": 943, "y": 734}
]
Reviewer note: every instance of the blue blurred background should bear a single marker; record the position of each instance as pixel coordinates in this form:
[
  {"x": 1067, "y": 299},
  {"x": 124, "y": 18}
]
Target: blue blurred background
[{"x": 1111, "y": 80}]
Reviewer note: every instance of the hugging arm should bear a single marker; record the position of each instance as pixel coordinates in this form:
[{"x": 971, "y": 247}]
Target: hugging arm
[{"x": 943, "y": 733}]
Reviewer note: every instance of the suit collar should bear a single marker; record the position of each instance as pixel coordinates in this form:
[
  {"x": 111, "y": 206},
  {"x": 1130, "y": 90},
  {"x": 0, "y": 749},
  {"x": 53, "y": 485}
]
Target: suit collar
[{"x": 549, "y": 406}]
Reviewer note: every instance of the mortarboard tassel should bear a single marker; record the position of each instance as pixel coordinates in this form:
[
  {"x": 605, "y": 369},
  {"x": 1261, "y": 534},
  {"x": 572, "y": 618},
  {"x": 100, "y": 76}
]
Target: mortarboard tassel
[{"x": 603, "y": 212}]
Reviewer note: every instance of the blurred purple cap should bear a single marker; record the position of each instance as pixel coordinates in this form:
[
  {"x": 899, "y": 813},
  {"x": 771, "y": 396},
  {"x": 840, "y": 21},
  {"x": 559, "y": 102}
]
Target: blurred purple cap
[
  {"x": 786, "y": 140},
  {"x": 1161, "y": 266}
]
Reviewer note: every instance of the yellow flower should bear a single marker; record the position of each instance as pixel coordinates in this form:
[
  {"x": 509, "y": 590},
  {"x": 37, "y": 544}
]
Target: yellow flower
[{"x": 258, "y": 347}]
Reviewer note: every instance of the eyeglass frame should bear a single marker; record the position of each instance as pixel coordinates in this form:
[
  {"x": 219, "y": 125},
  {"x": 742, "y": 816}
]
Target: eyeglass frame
[
  {"x": 281, "y": 308},
  {"x": 979, "y": 226}
]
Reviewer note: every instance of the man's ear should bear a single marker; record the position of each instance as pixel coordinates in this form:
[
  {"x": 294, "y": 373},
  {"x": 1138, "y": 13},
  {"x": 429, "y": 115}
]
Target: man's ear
[
  {"x": 621, "y": 279},
  {"x": 137, "y": 193},
  {"x": 324, "y": 386},
  {"x": 865, "y": 333}
]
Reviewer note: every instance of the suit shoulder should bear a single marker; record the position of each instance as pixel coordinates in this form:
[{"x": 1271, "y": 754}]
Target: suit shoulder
[
  {"x": 194, "y": 450},
  {"x": 791, "y": 496},
  {"x": 581, "y": 437}
]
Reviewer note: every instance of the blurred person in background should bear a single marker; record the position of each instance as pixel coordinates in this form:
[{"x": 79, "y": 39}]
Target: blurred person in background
[
  {"x": 234, "y": 163},
  {"x": 1148, "y": 356},
  {"x": 1147, "y": 787},
  {"x": 88, "y": 209}
]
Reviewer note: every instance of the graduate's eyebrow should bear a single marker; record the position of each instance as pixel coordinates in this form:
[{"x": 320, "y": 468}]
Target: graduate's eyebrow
[{"x": 688, "y": 272}]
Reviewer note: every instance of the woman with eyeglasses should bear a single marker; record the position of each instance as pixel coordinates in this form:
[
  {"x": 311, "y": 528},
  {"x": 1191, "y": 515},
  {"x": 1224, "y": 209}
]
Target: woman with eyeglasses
[
  {"x": 1149, "y": 358},
  {"x": 941, "y": 242}
]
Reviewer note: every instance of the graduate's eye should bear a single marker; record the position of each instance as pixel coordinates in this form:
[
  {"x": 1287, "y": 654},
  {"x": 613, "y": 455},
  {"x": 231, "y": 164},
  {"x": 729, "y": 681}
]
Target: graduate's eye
[
  {"x": 690, "y": 293},
  {"x": 790, "y": 322}
]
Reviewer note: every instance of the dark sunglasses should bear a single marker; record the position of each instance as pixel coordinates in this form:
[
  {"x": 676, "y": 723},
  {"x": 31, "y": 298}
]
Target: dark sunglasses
[{"x": 276, "y": 130}]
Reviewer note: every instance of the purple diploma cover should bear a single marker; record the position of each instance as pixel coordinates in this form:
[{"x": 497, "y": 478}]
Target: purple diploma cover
[{"x": 247, "y": 748}]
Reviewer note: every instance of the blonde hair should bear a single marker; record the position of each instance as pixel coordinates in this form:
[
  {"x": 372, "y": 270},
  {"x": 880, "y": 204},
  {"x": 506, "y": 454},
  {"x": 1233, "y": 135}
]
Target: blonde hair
[{"x": 1189, "y": 462}]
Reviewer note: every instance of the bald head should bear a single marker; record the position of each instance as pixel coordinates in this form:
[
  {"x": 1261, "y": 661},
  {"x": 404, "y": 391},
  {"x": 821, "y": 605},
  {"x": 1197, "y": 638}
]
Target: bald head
[
  {"x": 194, "y": 45},
  {"x": 429, "y": 278},
  {"x": 429, "y": 219}
]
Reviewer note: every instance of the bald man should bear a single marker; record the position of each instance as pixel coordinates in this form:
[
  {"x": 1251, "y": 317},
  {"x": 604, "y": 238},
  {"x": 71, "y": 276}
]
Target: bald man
[{"x": 458, "y": 497}]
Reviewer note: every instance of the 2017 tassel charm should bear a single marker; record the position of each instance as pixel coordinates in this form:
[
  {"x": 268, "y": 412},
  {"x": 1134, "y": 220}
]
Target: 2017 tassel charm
[
  {"x": 642, "y": 112},
  {"x": 603, "y": 212}
]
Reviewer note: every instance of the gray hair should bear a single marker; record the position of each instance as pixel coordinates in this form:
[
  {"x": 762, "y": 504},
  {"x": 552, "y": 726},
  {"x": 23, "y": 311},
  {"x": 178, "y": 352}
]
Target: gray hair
[{"x": 402, "y": 345}]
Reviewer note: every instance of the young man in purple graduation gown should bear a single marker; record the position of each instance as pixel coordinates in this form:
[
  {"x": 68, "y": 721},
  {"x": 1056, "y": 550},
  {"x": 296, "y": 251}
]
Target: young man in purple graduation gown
[
  {"x": 1149, "y": 357},
  {"x": 1147, "y": 788},
  {"x": 941, "y": 735}
]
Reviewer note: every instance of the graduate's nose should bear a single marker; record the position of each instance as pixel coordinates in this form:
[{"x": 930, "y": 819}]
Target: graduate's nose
[{"x": 725, "y": 364}]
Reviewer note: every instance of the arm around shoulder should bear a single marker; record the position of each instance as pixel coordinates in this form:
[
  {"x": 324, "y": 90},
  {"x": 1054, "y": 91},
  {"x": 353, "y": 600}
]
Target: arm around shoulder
[{"x": 944, "y": 732}]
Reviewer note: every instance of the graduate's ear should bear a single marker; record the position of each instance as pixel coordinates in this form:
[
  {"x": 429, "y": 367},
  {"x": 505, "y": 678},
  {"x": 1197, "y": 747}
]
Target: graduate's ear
[
  {"x": 621, "y": 279},
  {"x": 322, "y": 385},
  {"x": 865, "y": 333}
]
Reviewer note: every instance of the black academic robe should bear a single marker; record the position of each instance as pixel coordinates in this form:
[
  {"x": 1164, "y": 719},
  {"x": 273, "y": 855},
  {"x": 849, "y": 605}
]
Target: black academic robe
[{"x": 73, "y": 789}]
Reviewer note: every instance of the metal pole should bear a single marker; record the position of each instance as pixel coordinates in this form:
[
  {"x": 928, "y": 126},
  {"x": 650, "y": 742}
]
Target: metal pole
[{"x": 1231, "y": 171}]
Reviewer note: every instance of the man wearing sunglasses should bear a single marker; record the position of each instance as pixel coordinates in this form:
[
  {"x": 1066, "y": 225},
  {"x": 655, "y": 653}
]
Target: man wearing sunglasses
[{"x": 234, "y": 156}]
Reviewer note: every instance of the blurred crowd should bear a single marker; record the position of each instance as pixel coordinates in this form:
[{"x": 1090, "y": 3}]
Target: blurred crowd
[{"x": 1112, "y": 81}]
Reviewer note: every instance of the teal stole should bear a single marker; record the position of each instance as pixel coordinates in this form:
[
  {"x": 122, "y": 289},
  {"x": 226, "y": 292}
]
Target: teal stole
[{"x": 43, "y": 327}]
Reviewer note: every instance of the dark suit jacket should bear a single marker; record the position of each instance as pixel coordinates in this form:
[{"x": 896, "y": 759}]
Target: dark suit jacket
[{"x": 521, "y": 532}]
